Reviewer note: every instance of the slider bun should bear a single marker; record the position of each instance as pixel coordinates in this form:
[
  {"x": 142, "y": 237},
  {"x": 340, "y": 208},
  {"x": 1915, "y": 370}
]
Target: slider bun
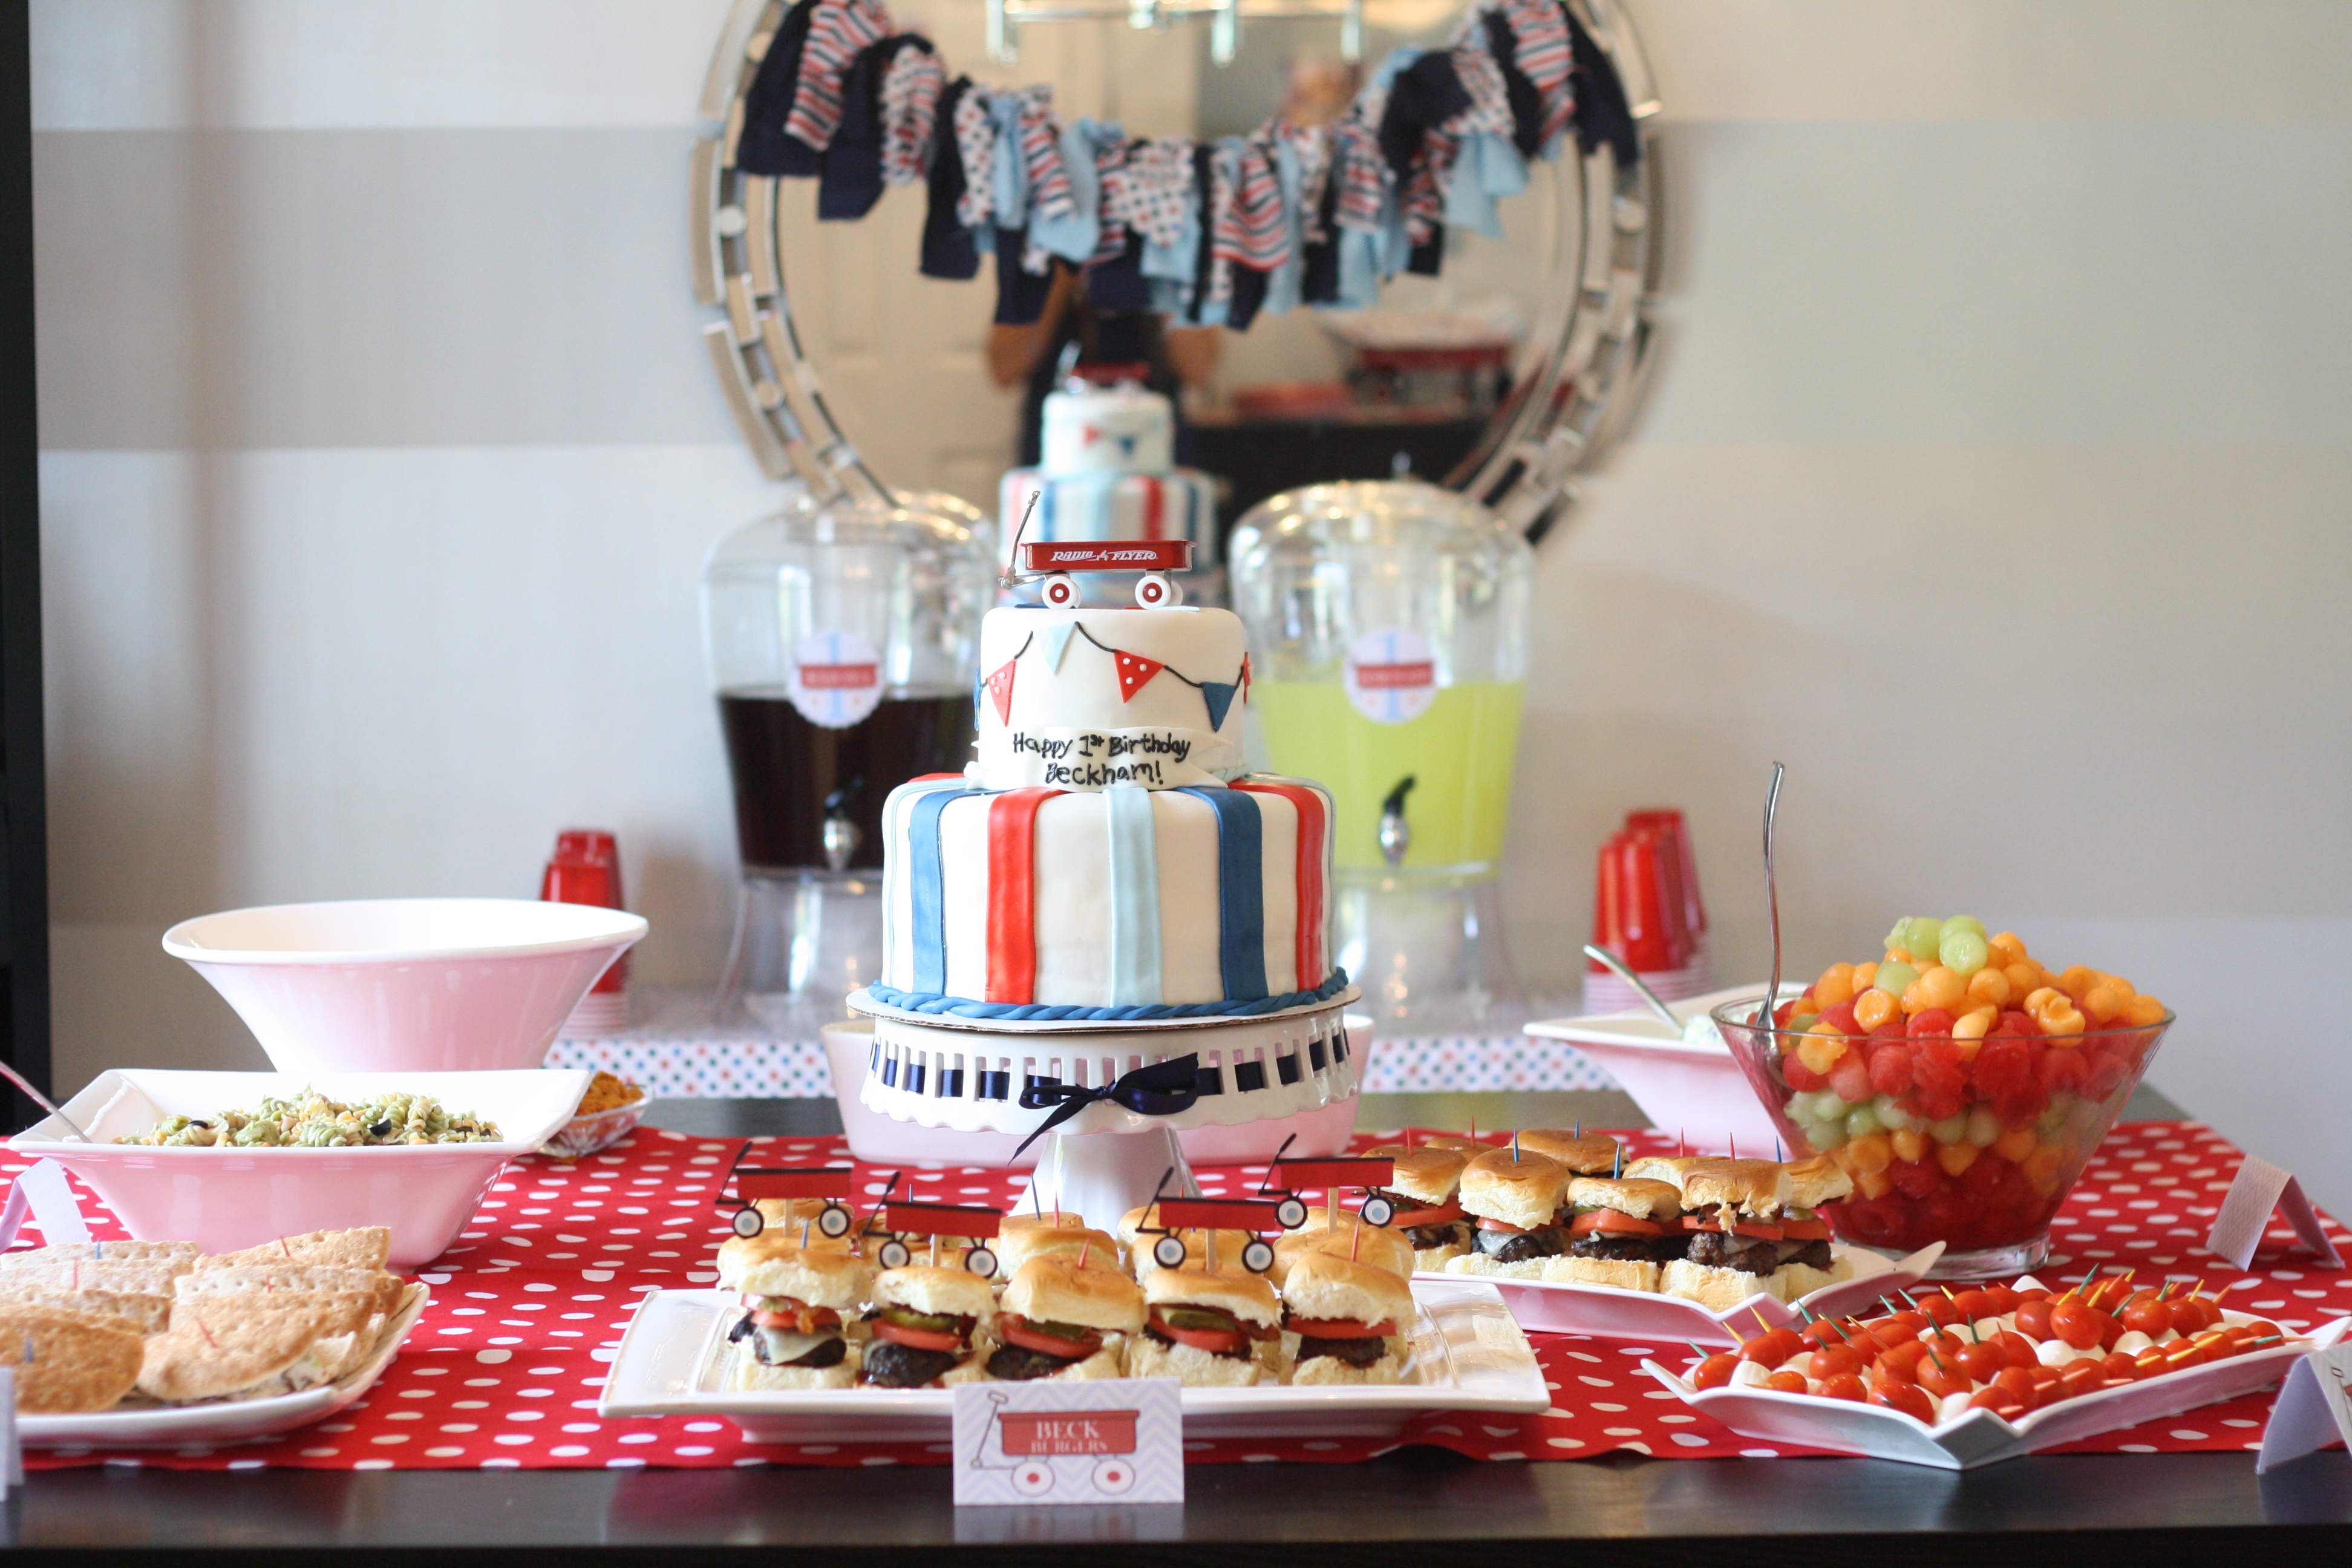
[
  {"x": 1671, "y": 1169},
  {"x": 1522, "y": 1192},
  {"x": 1022, "y": 1223},
  {"x": 942, "y": 1292},
  {"x": 1591, "y": 1153},
  {"x": 1147, "y": 1357},
  {"x": 1760, "y": 1187},
  {"x": 1330, "y": 1372},
  {"x": 1642, "y": 1198},
  {"x": 1055, "y": 1289},
  {"x": 1379, "y": 1246},
  {"x": 1489, "y": 1268},
  {"x": 1620, "y": 1273},
  {"x": 1325, "y": 1285},
  {"x": 1015, "y": 1247},
  {"x": 1801, "y": 1279},
  {"x": 1434, "y": 1259},
  {"x": 773, "y": 1264},
  {"x": 1248, "y": 1298},
  {"x": 750, "y": 1375},
  {"x": 1817, "y": 1181},
  {"x": 1428, "y": 1175},
  {"x": 1448, "y": 1140},
  {"x": 1719, "y": 1289}
]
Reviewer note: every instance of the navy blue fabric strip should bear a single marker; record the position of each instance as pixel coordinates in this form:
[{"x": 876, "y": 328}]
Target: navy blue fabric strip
[{"x": 1241, "y": 891}]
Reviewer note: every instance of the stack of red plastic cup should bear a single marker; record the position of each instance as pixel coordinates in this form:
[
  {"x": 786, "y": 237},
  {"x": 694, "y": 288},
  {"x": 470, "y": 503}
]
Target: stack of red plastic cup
[
  {"x": 587, "y": 869},
  {"x": 1646, "y": 909}
]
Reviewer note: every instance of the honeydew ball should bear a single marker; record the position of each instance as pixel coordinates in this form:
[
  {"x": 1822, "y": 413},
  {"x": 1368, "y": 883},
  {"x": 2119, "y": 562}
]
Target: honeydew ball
[
  {"x": 1922, "y": 935},
  {"x": 1950, "y": 1130},
  {"x": 1824, "y": 1136},
  {"x": 1896, "y": 937},
  {"x": 1895, "y": 978},
  {"x": 1860, "y": 1122},
  {"x": 1984, "y": 1126},
  {"x": 1891, "y": 1114},
  {"x": 1963, "y": 950},
  {"x": 1963, "y": 922}
]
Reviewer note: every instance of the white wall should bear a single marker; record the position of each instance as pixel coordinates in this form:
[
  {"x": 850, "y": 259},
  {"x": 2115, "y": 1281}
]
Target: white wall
[{"x": 1997, "y": 480}]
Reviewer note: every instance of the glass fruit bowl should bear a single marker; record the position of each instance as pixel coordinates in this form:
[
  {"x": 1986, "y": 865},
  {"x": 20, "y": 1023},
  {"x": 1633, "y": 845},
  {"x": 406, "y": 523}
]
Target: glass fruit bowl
[{"x": 1973, "y": 1143}]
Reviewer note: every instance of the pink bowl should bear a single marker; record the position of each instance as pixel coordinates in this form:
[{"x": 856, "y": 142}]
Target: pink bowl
[
  {"x": 406, "y": 984},
  {"x": 224, "y": 1199}
]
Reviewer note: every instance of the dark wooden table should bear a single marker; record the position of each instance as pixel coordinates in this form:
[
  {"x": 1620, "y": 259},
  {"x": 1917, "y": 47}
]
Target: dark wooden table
[{"x": 1414, "y": 1506}]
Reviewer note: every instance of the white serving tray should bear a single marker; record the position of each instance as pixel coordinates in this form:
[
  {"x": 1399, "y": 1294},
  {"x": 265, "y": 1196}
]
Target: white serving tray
[
  {"x": 1605, "y": 1311},
  {"x": 1694, "y": 1089},
  {"x": 1465, "y": 1353},
  {"x": 170, "y": 1425},
  {"x": 1980, "y": 1437}
]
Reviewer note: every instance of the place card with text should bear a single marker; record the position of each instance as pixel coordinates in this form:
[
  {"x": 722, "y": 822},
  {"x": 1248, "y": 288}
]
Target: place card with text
[{"x": 1047, "y": 1441}]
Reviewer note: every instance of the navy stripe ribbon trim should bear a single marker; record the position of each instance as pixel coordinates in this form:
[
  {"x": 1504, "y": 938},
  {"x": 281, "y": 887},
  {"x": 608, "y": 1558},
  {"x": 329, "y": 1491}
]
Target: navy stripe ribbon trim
[{"x": 1241, "y": 890}]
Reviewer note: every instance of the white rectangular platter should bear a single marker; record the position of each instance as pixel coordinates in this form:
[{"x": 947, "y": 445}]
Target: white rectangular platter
[
  {"x": 1465, "y": 1353},
  {"x": 1980, "y": 1437},
  {"x": 170, "y": 1425},
  {"x": 1604, "y": 1311}
]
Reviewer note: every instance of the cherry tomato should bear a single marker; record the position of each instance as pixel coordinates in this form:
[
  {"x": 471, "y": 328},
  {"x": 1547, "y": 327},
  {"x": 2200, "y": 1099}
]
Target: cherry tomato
[
  {"x": 2033, "y": 1318},
  {"x": 1908, "y": 1399},
  {"x": 2046, "y": 1378},
  {"x": 2217, "y": 1344},
  {"x": 2119, "y": 1365},
  {"x": 1902, "y": 1364},
  {"x": 2036, "y": 1293},
  {"x": 1772, "y": 1348},
  {"x": 2262, "y": 1330},
  {"x": 1845, "y": 1386},
  {"x": 2016, "y": 1350},
  {"x": 2149, "y": 1316},
  {"x": 1714, "y": 1371},
  {"x": 1981, "y": 1362},
  {"x": 2005, "y": 1299},
  {"x": 2081, "y": 1377},
  {"x": 2018, "y": 1383},
  {"x": 1787, "y": 1381},
  {"x": 1944, "y": 1379},
  {"x": 2076, "y": 1323},
  {"x": 1976, "y": 1304},
  {"x": 2184, "y": 1317},
  {"x": 1834, "y": 1360},
  {"x": 1941, "y": 1309},
  {"x": 2153, "y": 1361}
]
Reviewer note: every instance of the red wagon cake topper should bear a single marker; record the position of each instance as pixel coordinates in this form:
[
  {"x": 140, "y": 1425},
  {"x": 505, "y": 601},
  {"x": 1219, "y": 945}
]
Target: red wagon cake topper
[
  {"x": 1050, "y": 563},
  {"x": 830, "y": 1184}
]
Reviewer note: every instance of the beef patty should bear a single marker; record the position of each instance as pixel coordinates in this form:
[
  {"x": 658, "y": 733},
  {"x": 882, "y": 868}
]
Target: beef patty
[
  {"x": 1355, "y": 1353},
  {"x": 1629, "y": 1248},
  {"x": 1722, "y": 1250},
  {"x": 1518, "y": 1246},
  {"x": 889, "y": 1365},
  {"x": 1018, "y": 1363}
]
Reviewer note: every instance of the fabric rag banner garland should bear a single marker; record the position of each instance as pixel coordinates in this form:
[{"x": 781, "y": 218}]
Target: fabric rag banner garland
[{"x": 1207, "y": 233}]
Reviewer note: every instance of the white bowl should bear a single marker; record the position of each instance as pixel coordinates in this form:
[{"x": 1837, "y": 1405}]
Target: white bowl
[
  {"x": 406, "y": 984},
  {"x": 1694, "y": 1088},
  {"x": 224, "y": 1199}
]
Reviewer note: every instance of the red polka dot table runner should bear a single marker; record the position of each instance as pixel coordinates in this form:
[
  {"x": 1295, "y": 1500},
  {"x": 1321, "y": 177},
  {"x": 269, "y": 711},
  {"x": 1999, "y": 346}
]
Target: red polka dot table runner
[{"x": 503, "y": 1369}]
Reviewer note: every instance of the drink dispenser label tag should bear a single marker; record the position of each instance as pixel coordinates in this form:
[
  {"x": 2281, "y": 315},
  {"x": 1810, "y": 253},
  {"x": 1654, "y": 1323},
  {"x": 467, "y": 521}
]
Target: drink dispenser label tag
[
  {"x": 1391, "y": 675},
  {"x": 836, "y": 679}
]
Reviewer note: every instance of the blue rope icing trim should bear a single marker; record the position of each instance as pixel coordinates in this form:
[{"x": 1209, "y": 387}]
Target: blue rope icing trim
[{"x": 1025, "y": 1011}]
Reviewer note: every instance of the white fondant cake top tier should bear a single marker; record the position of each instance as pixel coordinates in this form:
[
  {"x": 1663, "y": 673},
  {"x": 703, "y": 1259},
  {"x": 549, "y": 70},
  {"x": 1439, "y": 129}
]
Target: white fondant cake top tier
[
  {"x": 1088, "y": 698},
  {"x": 1115, "y": 429}
]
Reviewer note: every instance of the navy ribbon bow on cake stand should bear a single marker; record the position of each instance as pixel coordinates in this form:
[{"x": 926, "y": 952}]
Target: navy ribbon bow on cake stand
[{"x": 1097, "y": 1174}]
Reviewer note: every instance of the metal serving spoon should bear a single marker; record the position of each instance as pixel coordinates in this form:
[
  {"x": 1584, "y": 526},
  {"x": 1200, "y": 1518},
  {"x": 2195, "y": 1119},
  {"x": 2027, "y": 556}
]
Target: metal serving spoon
[
  {"x": 1624, "y": 972},
  {"x": 44, "y": 1101},
  {"x": 1763, "y": 1018}
]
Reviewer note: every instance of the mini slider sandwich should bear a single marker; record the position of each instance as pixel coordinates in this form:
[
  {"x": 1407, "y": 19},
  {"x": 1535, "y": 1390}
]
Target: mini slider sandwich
[
  {"x": 1067, "y": 1315},
  {"x": 1351, "y": 1238},
  {"x": 1344, "y": 1322},
  {"x": 1739, "y": 1215},
  {"x": 927, "y": 1325},
  {"x": 1026, "y": 1236},
  {"x": 1202, "y": 1329},
  {"x": 1426, "y": 1194},
  {"x": 797, "y": 1302},
  {"x": 1625, "y": 1232},
  {"x": 1515, "y": 1202}
]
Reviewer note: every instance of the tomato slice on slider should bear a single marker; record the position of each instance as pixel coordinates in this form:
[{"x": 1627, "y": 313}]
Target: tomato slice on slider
[
  {"x": 1609, "y": 1222},
  {"x": 1215, "y": 1342},
  {"x": 917, "y": 1339}
]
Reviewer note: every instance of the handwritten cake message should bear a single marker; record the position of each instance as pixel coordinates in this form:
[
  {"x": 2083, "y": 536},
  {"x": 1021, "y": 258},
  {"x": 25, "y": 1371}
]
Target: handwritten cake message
[{"x": 1099, "y": 759}]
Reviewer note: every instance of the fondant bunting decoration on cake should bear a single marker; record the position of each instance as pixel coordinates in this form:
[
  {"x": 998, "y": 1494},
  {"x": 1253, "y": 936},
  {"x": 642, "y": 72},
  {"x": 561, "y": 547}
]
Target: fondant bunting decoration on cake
[
  {"x": 1241, "y": 890},
  {"x": 1013, "y": 894},
  {"x": 1219, "y": 696},
  {"x": 1135, "y": 961},
  {"x": 1000, "y": 687},
  {"x": 1055, "y": 641},
  {"x": 1134, "y": 672}
]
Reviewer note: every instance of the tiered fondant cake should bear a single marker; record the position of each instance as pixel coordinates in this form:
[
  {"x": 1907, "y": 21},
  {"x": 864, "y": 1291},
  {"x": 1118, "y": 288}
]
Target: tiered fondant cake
[
  {"x": 1108, "y": 850},
  {"x": 1106, "y": 471}
]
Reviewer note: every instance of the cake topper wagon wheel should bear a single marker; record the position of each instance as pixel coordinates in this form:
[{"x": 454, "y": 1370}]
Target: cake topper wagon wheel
[
  {"x": 1059, "y": 591},
  {"x": 1158, "y": 590}
]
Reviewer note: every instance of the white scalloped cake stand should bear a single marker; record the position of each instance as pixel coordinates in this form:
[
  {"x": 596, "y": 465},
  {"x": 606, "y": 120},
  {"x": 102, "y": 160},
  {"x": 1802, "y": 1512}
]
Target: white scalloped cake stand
[{"x": 959, "y": 1079}]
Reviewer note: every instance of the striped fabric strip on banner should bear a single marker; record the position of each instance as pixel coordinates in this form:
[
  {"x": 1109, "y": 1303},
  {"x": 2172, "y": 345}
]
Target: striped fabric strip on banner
[
  {"x": 1307, "y": 909},
  {"x": 1241, "y": 891},
  {"x": 1013, "y": 894},
  {"x": 926, "y": 894},
  {"x": 1135, "y": 975}
]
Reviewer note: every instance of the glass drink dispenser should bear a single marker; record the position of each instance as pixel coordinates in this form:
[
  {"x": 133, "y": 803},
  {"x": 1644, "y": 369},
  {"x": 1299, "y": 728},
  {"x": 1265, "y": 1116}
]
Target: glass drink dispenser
[
  {"x": 843, "y": 639},
  {"x": 1388, "y": 629}
]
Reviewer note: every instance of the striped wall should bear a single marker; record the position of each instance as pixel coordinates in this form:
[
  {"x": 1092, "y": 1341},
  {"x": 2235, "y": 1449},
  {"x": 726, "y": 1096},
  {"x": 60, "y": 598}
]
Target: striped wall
[{"x": 1998, "y": 479}]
